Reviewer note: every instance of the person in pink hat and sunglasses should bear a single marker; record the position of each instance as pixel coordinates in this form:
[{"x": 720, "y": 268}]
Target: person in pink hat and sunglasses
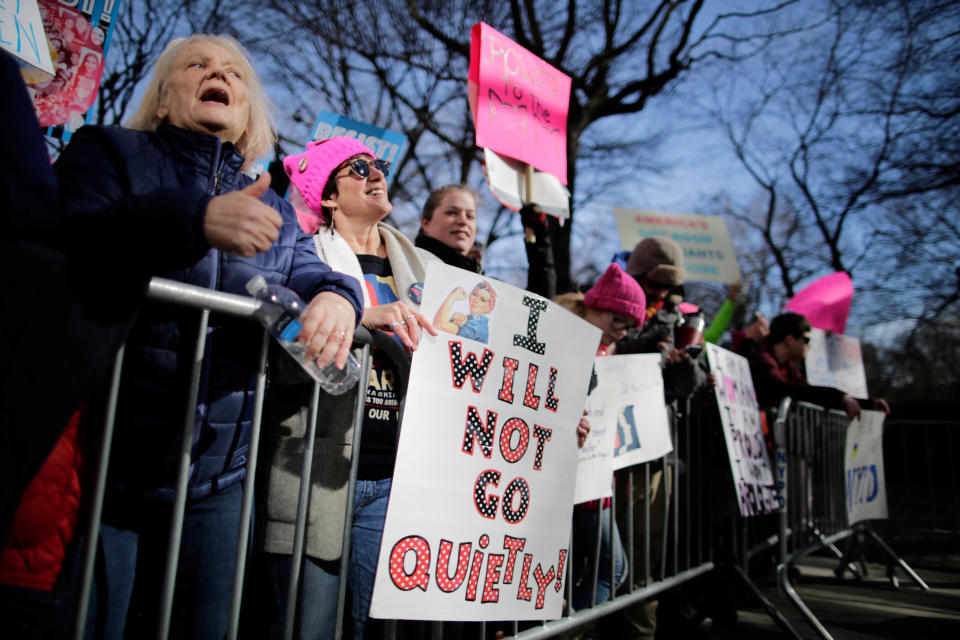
[{"x": 339, "y": 190}]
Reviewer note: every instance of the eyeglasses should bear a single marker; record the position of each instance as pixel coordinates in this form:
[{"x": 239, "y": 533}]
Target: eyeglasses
[
  {"x": 619, "y": 324},
  {"x": 361, "y": 167},
  {"x": 805, "y": 337},
  {"x": 653, "y": 285}
]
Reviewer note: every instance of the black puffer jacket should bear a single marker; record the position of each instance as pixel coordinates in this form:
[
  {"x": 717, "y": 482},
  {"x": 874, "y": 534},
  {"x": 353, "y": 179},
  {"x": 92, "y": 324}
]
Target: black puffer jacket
[{"x": 139, "y": 198}]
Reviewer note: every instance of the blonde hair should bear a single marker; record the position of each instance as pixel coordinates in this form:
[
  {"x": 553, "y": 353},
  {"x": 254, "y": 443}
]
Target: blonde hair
[
  {"x": 260, "y": 133},
  {"x": 572, "y": 302}
]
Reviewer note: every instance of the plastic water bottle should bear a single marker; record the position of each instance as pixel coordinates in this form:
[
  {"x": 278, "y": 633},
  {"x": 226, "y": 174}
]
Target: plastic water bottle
[{"x": 279, "y": 311}]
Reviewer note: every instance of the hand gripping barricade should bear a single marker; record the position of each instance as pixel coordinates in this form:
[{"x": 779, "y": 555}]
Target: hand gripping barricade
[{"x": 809, "y": 466}]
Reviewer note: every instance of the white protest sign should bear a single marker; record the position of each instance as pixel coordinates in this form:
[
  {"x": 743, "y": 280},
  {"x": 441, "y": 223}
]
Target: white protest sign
[
  {"x": 478, "y": 523},
  {"x": 508, "y": 184},
  {"x": 740, "y": 417},
  {"x": 707, "y": 252},
  {"x": 22, "y": 34},
  {"x": 863, "y": 468},
  {"x": 835, "y": 360},
  {"x": 628, "y": 421}
]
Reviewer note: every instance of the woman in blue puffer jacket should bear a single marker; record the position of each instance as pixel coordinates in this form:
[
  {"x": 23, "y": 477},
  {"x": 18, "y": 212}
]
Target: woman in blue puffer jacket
[{"x": 168, "y": 193}]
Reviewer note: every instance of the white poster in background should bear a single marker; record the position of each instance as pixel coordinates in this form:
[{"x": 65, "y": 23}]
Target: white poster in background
[
  {"x": 628, "y": 419},
  {"x": 863, "y": 468},
  {"x": 478, "y": 523},
  {"x": 835, "y": 360},
  {"x": 508, "y": 183},
  {"x": 740, "y": 417},
  {"x": 707, "y": 252}
]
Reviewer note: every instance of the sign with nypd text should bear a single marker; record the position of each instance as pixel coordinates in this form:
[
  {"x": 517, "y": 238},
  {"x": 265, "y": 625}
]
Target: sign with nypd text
[
  {"x": 478, "y": 524},
  {"x": 707, "y": 252},
  {"x": 863, "y": 469}
]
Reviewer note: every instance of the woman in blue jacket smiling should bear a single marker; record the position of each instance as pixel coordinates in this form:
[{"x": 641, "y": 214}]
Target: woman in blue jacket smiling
[{"x": 168, "y": 193}]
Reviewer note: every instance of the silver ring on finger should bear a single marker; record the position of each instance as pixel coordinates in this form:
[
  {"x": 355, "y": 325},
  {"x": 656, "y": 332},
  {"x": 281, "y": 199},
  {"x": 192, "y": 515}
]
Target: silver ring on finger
[
  {"x": 341, "y": 336},
  {"x": 395, "y": 324},
  {"x": 409, "y": 316}
]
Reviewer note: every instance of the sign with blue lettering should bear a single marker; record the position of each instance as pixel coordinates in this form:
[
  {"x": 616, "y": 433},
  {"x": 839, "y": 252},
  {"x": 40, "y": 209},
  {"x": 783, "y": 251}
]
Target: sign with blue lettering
[
  {"x": 863, "y": 469},
  {"x": 386, "y": 144},
  {"x": 21, "y": 33},
  {"x": 707, "y": 252}
]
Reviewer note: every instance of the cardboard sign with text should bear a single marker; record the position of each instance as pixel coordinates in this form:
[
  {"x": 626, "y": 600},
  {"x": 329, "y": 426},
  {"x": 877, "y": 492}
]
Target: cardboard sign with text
[
  {"x": 628, "y": 421},
  {"x": 863, "y": 468},
  {"x": 519, "y": 102},
  {"x": 707, "y": 252},
  {"x": 740, "y": 417},
  {"x": 478, "y": 523},
  {"x": 386, "y": 144},
  {"x": 835, "y": 360},
  {"x": 22, "y": 34}
]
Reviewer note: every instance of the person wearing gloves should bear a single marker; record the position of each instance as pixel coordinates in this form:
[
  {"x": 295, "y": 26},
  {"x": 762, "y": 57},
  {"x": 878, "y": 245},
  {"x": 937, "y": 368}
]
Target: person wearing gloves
[
  {"x": 339, "y": 190},
  {"x": 167, "y": 196}
]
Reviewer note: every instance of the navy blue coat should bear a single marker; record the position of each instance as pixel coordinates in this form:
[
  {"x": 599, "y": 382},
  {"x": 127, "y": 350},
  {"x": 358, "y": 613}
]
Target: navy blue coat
[{"x": 139, "y": 198}]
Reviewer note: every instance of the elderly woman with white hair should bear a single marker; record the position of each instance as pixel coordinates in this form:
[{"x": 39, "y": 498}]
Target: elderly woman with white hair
[{"x": 167, "y": 196}]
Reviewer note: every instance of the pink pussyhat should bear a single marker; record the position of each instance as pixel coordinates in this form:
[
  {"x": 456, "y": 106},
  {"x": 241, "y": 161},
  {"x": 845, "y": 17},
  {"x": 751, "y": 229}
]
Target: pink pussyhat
[
  {"x": 616, "y": 291},
  {"x": 309, "y": 172}
]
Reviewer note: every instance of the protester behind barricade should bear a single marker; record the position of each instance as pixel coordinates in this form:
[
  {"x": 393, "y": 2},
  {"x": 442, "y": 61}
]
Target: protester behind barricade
[
  {"x": 168, "y": 193},
  {"x": 614, "y": 304},
  {"x": 448, "y": 228},
  {"x": 775, "y": 366},
  {"x": 339, "y": 190}
]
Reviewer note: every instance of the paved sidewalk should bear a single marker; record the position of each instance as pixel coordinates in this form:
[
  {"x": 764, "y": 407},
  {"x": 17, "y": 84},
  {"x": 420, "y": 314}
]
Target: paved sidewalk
[{"x": 859, "y": 609}]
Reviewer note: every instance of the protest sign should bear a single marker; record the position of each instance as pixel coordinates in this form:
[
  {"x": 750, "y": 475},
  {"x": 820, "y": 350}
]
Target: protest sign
[
  {"x": 507, "y": 180},
  {"x": 825, "y": 302},
  {"x": 78, "y": 39},
  {"x": 707, "y": 252},
  {"x": 628, "y": 421},
  {"x": 21, "y": 33},
  {"x": 519, "y": 102},
  {"x": 740, "y": 417},
  {"x": 835, "y": 360},
  {"x": 386, "y": 144},
  {"x": 478, "y": 523},
  {"x": 863, "y": 468}
]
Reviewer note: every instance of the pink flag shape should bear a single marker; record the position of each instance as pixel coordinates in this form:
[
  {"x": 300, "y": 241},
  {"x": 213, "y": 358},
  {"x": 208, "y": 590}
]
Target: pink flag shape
[{"x": 825, "y": 302}]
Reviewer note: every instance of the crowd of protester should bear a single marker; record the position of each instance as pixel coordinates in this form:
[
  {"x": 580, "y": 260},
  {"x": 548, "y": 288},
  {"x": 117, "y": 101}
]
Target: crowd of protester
[{"x": 166, "y": 195}]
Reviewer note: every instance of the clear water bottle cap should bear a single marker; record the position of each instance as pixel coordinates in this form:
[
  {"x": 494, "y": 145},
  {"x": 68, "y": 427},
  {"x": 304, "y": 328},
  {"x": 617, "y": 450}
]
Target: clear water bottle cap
[{"x": 256, "y": 283}]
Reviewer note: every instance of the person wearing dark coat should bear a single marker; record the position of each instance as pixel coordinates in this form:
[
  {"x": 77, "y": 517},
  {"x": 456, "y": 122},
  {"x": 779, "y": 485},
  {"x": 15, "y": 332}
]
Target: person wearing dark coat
[
  {"x": 168, "y": 197},
  {"x": 448, "y": 230}
]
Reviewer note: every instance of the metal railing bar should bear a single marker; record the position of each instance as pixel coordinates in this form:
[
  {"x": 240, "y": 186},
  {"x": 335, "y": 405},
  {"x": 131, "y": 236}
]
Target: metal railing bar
[
  {"x": 92, "y": 539},
  {"x": 172, "y": 291},
  {"x": 246, "y": 509},
  {"x": 183, "y": 475}
]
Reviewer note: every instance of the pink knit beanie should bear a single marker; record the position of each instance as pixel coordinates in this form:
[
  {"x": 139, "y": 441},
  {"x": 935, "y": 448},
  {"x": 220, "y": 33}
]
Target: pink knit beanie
[
  {"x": 616, "y": 291},
  {"x": 309, "y": 172}
]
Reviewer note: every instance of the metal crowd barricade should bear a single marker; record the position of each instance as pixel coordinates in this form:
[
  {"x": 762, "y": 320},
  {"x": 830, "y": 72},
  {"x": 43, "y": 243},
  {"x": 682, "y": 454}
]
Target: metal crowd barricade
[
  {"x": 809, "y": 468},
  {"x": 206, "y": 302},
  {"x": 687, "y": 527}
]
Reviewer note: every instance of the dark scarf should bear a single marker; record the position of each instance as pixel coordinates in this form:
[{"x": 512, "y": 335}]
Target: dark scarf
[{"x": 449, "y": 256}]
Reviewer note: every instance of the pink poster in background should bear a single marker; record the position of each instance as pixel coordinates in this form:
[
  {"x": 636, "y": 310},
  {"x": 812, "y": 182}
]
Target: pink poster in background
[
  {"x": 519, "y": 102},
  {"x": 825, "y": 302}
]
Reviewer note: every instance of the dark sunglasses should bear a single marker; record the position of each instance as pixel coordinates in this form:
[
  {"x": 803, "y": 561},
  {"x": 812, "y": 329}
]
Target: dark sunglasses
[
  {"x": 618, "y": 324},
  {"x": 652, "y": 284},
  {"x": 804, "y": 337},
  {"x": 361, "y": 167}
]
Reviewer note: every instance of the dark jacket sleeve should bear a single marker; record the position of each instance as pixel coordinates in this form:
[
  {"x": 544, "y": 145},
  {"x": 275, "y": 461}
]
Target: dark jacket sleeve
[
  {"x": 772, "y": 385},
  {"x": 541, "y": 274},
  {"x": 311, "y": 276},
  {"x": 160, "y": 231}
]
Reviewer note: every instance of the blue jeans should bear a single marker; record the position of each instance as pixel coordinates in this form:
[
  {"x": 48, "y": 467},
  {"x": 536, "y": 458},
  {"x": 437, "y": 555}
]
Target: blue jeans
[
  {"x": 130, "y": 564},
  {"x": 317, "y": 606},
  {"x": 584, "y": 551}
]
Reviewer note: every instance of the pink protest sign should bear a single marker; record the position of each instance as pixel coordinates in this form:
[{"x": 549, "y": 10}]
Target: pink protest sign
[
  {"x": 519, "y": 102},
  {"x": 825, "y": 302}
]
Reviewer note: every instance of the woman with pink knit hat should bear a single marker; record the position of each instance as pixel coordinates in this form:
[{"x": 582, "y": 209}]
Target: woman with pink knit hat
[
  {"x": 339, "y": 190},
  {"x": 614, "y": 304}
]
